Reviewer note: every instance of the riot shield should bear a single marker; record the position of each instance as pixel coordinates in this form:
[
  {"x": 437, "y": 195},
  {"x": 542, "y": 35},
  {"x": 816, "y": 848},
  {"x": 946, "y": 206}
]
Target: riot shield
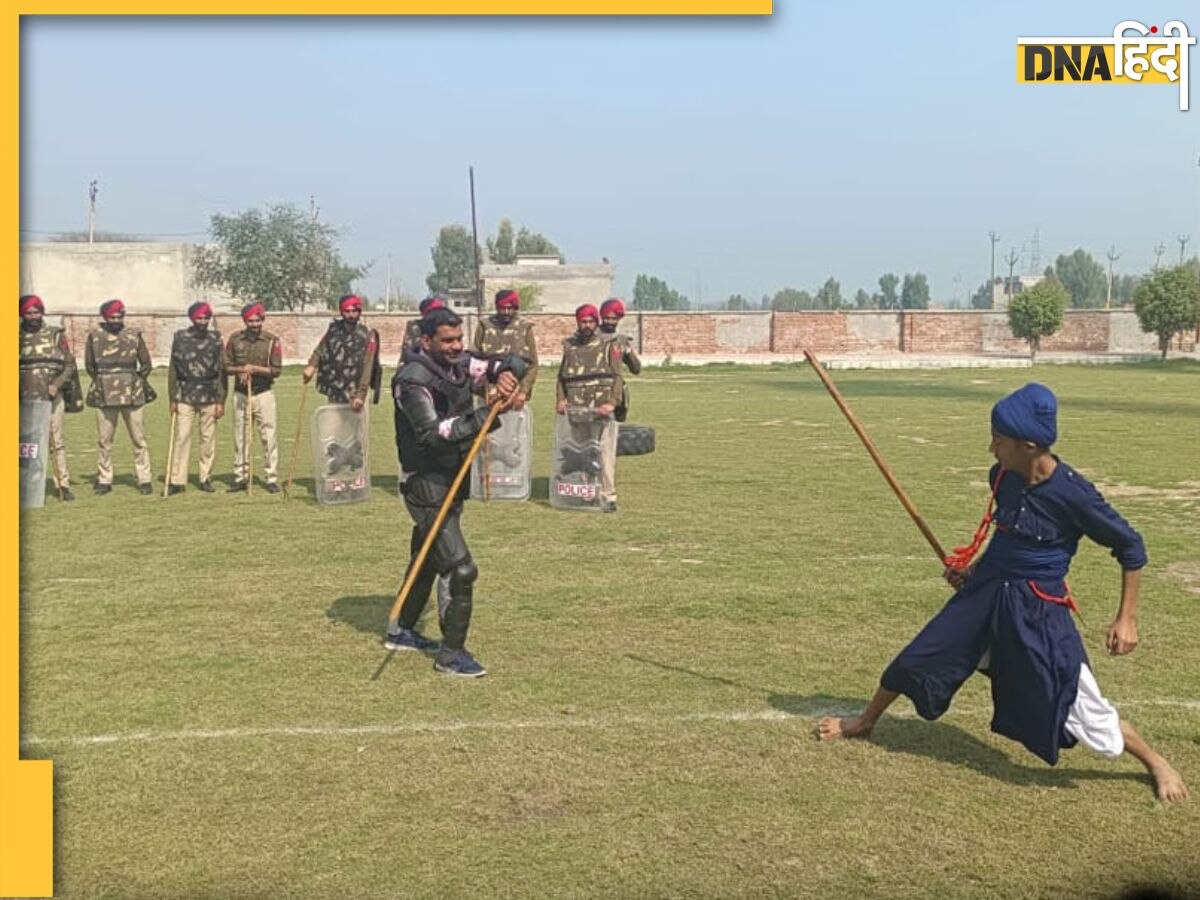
[
  {"x": 35, "y": 452},
  {"x": 339, "y": 451},
  {"x": 576, "y": 464},
  {"x": 507, "y": 459}
]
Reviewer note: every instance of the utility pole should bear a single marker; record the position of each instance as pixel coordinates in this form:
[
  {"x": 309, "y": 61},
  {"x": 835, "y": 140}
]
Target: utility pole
[
  {"x": 314, "y": 262},
  {"x": 1011, "y": 259},
  {"x": 992, "y": 280},
  {"x": 1158, "y": 252},
  {"x": 1183, "y": 239},
  {"x": 387, "y": 297},
  {"x": 93, "y": 189},
  {"x": 1035, "y": 253},
  {"x": 1113, "y": 256}
]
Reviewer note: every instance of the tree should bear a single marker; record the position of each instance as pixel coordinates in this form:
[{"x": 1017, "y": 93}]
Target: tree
[
  {"x": 501, "y": 248},
  {"x": 531, "y": 243},
  {"x": 863, "y": 300},
  {"x": 887, "y": 288},
  {"x": 279, "y": 257},
  {"x": 1037, "y": 312},
  {"x": 1167, "y": 303},
  {"x": 453, "y": 261},
  {"x": 982, "y": 298},
  {"x": 791, "y": 300},
  {"x": 829, "y": 295},
  {"x": 1084, "y": 278},
  {"x": 915, "y": 292},
  {"x": 654, "y": 293},
  {"x": 1124, "y": 287},
  {"x": 737, "y": 301}
]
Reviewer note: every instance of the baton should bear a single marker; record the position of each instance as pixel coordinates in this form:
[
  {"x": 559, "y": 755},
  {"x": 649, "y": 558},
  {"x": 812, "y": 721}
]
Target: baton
[
  {"x": 249, "y": 433},
  {"x": 287, "y": 488},
  {"x": 415, "y": 568},
  {"x": 875, "y": 455},
  {"x": 170, "y": 456}
]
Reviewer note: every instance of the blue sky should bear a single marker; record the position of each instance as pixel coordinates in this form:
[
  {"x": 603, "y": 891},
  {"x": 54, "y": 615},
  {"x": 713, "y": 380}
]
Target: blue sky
[{"x": 722, "y": 155}]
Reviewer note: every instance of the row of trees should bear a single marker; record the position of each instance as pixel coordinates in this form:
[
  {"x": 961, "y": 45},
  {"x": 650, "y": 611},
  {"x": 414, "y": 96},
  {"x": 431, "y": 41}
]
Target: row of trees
[
  {"x": 1167, "y": 303},
  {"x": 894, "y": 293}
]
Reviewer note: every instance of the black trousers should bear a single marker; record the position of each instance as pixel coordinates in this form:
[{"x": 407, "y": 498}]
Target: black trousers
[{"x": 449, "y": 556}]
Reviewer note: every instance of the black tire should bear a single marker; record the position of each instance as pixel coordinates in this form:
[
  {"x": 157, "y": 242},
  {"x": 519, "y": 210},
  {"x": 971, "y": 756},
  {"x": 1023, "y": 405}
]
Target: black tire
[{"x": 634, "y": 440}]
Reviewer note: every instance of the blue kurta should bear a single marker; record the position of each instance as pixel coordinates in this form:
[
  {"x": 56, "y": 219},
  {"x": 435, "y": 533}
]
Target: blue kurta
[{"x": 1035, "y": 652}]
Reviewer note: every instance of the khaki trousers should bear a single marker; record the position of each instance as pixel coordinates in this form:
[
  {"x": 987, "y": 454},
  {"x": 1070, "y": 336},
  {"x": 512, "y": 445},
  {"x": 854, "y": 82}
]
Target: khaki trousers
[
  {"x": 185, "y": 418},
  {"x": 264, "y": 418},
  {"x": 106, "y": 425},
  {"x": 62, "y": 478},
  {"x": 608, "y": 461}
]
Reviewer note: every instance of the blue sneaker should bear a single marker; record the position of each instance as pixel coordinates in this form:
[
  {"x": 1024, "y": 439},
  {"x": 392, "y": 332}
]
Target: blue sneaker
[
  {"x": 460, "y": 663},
  {"x": 408, "y": 639}
]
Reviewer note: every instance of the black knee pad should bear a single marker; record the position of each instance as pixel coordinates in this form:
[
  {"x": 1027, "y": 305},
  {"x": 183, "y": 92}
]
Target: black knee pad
[{"x": 463, "y": 574}]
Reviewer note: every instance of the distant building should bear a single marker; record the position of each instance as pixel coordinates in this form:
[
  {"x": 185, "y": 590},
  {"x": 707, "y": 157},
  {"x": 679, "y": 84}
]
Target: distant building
[
  {"x": 562, "y": 287},
  {"x": 1019, "y": 283},
  {"x": 150, "y": 276}
]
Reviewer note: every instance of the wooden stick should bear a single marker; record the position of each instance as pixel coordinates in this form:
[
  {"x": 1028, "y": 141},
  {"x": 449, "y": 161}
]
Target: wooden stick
[
  {"x": 249, "y": 423},
  {"x": 875, "y": 455},
  {"x": 170, "y": 456},
  {"x": 287, "y": 488},
  {"x": 415, "y": 568}
]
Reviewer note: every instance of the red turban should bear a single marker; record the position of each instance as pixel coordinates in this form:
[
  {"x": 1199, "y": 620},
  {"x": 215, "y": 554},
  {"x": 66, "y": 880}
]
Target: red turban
[
  {"x": 30, "y": 301},
  {"x": 108, "y": 307},
  {"x": 507, "y": 299},
  {"x": 253, "y": 309},
  {"x": 429, "y": 304},
  {"x": 350, "y": 301},
  {"x": 614, "y": 306},
  {"x": 587, "y": 311},
  {"x": 199, "y": 310}
]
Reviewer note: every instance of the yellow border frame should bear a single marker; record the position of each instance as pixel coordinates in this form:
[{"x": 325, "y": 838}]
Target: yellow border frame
[{"x": 26, "y": 786}]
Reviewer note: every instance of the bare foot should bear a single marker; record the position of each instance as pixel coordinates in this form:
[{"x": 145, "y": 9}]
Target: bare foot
[
  {"x": 831, "y": 728},
  {"x": 1168, "y": 785}
]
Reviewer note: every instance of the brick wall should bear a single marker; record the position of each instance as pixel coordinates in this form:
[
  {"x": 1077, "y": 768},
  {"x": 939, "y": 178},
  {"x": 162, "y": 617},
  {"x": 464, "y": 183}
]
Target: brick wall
[{"x": 721, "y": 334}]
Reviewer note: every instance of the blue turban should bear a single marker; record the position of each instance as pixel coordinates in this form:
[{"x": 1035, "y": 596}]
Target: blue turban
[{"x": 1028, "y": 414}]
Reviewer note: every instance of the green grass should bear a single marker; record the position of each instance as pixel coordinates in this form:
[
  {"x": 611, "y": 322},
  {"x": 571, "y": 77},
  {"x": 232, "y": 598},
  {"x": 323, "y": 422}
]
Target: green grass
[{"x": 646, "y": 726}]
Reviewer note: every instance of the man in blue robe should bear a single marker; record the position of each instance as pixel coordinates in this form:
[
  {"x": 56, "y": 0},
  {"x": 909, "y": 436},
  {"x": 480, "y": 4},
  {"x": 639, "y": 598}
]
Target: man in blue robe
[{"x": 1011, "y": 614}]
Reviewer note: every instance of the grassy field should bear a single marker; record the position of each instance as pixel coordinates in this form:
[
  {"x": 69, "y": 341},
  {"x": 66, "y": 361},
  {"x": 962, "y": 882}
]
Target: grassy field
[{"x": 200, "y": 668}]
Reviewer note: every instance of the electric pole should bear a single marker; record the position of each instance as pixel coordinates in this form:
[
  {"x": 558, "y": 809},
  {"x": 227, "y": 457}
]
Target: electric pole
[
  {"x": 1113, "y": 256},
  {"x": 93, "y": 189},
  {"x": 1158, "y": 252},
  {"x": 1183, "y": 239},
  {"x": 992, "y": 280},
  {"x": 1011, "y": 259}
]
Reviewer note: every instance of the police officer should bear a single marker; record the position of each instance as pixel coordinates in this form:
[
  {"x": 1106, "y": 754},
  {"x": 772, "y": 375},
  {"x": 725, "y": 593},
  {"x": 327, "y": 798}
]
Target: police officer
[
  {"x": 345, "y": 360},
  {"x": 437, "y": 421},
  {"x": 589, "y": 376},
  {"x": 412, "y": 331},
  {"x": 503, "y": 334},
  {"x": 254, "y": 357},
  {"x": 48, "y": 371},
  {"x": 612, "y": 311},
  {"x": 197, "y": 386},
  {"x": 117, "y": 360}
]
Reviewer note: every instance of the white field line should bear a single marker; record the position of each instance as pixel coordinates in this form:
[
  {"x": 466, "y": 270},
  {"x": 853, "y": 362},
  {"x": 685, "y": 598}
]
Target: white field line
[{"x": 498, "y": 725}]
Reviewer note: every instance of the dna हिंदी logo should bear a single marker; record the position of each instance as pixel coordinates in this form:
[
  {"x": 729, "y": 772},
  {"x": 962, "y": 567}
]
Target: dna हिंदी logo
[{"x": 1133, "y": 54}]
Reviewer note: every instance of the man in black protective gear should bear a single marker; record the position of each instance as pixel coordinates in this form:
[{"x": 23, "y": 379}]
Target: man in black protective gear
[{"x": 436, "y": 424}]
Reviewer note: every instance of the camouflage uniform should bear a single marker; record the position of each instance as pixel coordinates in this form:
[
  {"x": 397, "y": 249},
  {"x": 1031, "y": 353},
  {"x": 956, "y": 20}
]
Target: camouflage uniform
[
  {"x": 630, "y": 360},
  {"x": 196, "y": 384},
  {"x": 119, "y": 365},
  {"x": 246, "y": 348},
  {"x": 47, "y": 362},
  {"x": 346, "y": 362},
  {"x": 590, "y": 376},
  {"x": 494, "y": 338}
]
